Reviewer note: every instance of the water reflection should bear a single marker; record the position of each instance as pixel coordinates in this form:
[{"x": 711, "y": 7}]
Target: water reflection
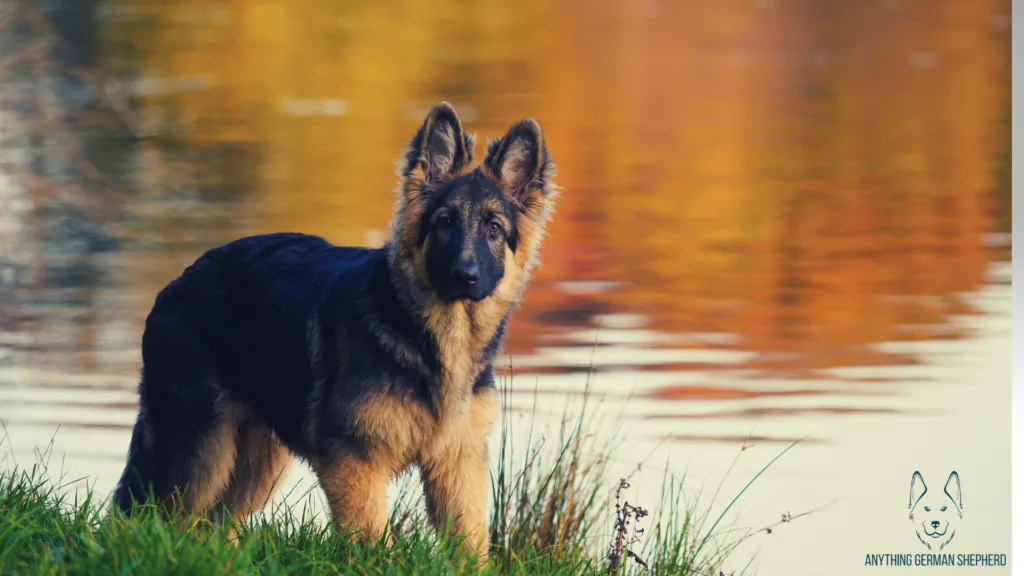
[{"x": 746, "y": 187}]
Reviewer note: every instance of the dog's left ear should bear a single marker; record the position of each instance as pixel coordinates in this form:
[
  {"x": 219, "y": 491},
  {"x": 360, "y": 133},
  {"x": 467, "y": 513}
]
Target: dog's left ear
[
  {"x": 441, "y": 148},
  {"x": 917, "y": 491},
  {"x": 953, "y": 491},
  {"x": 520, "y": 162}
]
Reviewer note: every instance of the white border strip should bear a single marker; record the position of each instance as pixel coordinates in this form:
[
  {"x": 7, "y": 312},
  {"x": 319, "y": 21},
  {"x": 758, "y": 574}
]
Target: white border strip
[{"x": 1017, "y": 390}]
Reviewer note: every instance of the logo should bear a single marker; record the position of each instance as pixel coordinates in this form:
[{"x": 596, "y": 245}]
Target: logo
[{"x": 935, "y": 515}]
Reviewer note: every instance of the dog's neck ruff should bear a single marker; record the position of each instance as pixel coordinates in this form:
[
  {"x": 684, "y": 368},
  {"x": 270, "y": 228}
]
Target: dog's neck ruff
[{"x": 412, "y": 295}]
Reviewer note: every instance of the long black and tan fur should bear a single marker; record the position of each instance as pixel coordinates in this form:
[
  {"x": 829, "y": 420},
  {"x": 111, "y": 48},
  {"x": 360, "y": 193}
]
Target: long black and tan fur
[{"x": 363, "y": 362}]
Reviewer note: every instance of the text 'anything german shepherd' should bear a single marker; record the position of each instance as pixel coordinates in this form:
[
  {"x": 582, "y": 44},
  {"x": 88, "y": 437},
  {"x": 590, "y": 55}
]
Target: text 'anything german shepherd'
[{"x": 361, "y": 361}]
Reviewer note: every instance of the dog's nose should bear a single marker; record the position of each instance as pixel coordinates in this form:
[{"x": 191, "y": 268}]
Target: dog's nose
[
  {"x": 466, "y": 272},
  {"x": 935, "y": 523}
]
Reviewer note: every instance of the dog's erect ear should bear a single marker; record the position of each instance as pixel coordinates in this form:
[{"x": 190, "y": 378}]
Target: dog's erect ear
[
  {"x": 520, "y": 161},
  {"x": 953, "y": 491},
  {"x": 917, "y": 490},
  {"x": 440, "y": 147}
]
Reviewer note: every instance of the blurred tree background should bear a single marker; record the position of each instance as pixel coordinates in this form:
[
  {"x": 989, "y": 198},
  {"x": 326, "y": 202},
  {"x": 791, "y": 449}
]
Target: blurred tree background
[{"x": 807, "y": 177}]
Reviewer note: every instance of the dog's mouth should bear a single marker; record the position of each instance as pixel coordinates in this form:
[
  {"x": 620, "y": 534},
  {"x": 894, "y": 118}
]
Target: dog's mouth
[
  {"x": 936, "y": 534},
  {"x": 463, "y": 296},
  {"x": 452, "y": 292}
]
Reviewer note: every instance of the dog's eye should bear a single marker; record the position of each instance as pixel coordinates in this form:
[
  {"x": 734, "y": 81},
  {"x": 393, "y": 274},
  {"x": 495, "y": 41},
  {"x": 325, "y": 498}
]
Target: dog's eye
[
  {"x": 927, "y": 509},
  {"x": 444, "y": 221},
  {"x": 943, "y": 509},
  {"x": 494, "y": 228}
]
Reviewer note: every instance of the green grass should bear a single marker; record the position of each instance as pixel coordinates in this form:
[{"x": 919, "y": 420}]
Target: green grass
[{"x": 554, "y": 512}]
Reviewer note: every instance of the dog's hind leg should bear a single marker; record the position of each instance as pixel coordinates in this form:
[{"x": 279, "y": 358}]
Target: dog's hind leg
[
  {"x": 183, "y": 444},
  {"x": 183, "y": 469},
  {"x": 261, "y": 461}
]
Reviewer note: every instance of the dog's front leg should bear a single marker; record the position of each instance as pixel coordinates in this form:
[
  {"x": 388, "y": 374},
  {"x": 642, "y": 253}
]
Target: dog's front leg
[
  {"x": 356, "y": 490},
  {"x": 456, "y": 489},
  {"x": 456, "y": 478}
]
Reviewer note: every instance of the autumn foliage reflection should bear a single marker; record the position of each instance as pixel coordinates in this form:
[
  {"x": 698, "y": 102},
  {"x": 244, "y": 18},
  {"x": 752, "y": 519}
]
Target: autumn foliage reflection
[{"x": 813, "y": 177}]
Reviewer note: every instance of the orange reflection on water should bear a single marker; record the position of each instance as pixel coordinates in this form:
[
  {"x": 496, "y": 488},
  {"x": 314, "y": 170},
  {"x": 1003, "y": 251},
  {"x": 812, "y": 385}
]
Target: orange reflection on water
[{"x": 813, "y": 177}]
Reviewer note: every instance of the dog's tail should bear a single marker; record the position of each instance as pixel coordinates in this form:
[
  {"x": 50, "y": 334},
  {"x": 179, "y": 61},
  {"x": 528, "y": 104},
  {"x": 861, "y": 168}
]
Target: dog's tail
[{"x": 134, "y": 486}]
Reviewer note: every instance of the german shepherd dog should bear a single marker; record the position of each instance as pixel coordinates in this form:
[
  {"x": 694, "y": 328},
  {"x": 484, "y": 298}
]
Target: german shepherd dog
[{"x": 363, "y": 362}]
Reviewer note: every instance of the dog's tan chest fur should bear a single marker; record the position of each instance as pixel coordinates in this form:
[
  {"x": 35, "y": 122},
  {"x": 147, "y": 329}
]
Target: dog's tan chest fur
[{"x": 402, "y": 431}]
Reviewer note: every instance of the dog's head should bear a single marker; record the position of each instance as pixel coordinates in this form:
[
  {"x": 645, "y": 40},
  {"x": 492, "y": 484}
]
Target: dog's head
[
  {"x": 465, "y": 232},
  {"x": 935, "y": 513}
]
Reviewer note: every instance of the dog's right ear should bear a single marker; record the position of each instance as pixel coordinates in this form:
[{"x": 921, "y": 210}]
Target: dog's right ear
[
  {"x": 520, "y": 162},
  {"x": 953, "y": 491},
  {"x": 439, "y": 150},
  {"x": 917, "y": 491}
]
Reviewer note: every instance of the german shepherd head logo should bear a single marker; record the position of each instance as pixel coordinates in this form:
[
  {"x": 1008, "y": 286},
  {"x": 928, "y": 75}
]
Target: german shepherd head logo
[
  {"x": 465, "y": 233},
  {"x": 935, "y": 515}
]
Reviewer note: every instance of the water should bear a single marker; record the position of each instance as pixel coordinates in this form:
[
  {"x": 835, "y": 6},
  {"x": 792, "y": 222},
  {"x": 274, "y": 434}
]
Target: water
[{"x": 780, "y": 221}]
